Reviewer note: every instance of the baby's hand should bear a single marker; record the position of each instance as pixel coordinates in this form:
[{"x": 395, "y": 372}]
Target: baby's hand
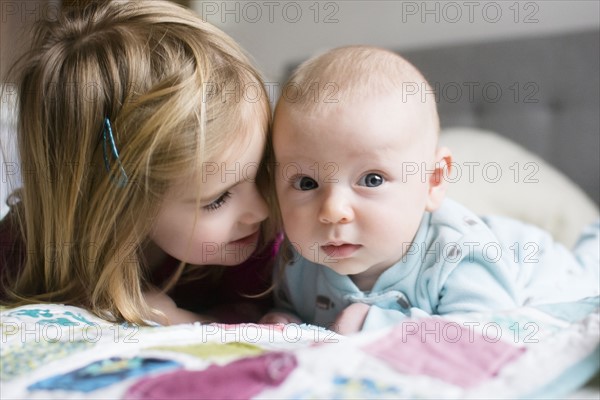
[
  {"x": 278, "y": 317},
  {"x": 351, "y": 319}
]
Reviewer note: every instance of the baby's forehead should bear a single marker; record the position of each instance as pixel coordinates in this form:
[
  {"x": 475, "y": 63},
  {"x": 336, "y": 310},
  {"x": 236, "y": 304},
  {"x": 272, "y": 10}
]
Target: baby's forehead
[
  {"x": 380, "y": 122},
  {"x": 389, "y": 104},
  {"x": 330, "y": 83}
]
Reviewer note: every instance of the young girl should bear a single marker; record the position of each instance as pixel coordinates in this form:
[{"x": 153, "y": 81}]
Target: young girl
[{"x": 140, "y": 129}]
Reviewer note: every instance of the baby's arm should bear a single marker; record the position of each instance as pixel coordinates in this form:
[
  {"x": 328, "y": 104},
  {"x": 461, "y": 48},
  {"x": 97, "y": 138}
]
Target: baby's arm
[
  {"x": 284, "y": 311},
  {"x": 172, "y": 314},
  {"x": 470, "y": 287},
  {"x": 477, "y": 287}
]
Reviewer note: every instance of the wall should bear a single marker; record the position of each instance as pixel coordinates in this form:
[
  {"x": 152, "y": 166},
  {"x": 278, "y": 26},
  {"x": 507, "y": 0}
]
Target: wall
[
  {"x": 278, "y": 33},
  {"x": 16, "y": 18}
]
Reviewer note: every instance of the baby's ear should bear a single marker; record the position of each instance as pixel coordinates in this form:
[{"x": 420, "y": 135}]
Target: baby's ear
[{"x": 438, "y": 179}]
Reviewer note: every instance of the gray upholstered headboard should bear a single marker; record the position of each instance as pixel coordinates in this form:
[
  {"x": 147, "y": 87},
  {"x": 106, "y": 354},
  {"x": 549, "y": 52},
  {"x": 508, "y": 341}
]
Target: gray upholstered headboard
[{"x": 542, "y": 93}]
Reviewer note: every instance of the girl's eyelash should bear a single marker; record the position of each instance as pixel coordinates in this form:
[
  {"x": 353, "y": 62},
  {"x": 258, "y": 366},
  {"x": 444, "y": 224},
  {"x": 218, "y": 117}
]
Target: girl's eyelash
[{"x": 218, "y": 203}]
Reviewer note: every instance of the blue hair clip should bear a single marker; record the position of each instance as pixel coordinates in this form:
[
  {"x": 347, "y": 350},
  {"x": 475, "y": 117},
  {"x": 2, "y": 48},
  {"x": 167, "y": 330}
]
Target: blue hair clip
[{"x": 123, "y": 179}]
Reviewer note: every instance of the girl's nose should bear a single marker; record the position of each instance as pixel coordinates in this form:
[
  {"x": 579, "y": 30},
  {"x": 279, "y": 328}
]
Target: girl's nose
[
  {"x": 256, "y": 207},
  {"x": 336, "y": 209}
]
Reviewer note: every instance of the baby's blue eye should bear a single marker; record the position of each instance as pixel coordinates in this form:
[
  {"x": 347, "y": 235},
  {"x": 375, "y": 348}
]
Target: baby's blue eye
[
  {"x": 305, "y": 183},
  {"x": 371, "y": 180}
]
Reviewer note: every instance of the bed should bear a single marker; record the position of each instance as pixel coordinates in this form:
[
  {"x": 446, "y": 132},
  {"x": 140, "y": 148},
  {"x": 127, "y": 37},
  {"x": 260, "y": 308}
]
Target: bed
[
  {"x": 55, "y": 351},
  {"x": 551, "y": 351}
]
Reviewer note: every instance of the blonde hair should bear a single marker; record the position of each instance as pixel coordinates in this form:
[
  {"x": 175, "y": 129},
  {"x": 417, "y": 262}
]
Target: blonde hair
[
  {"x": 344, "y": 75},
  {"x": 171, "y": 86}
]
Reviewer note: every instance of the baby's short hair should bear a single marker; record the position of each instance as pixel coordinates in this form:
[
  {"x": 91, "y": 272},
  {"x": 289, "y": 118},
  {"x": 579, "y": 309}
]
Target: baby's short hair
[{"x": 346, "y": 74}]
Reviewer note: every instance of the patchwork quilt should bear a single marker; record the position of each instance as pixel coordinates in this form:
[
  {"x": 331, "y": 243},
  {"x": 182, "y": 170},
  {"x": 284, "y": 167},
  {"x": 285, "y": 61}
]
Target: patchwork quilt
[{"x": 58, "y": 351}]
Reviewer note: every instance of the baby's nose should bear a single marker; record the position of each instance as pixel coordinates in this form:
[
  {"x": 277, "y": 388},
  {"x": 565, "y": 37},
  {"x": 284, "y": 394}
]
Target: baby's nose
[{"x": 336, "y": 209}]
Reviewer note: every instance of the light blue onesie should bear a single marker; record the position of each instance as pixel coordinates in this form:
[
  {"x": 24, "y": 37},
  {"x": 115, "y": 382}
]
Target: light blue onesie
[{"x": 457, "y": 262}]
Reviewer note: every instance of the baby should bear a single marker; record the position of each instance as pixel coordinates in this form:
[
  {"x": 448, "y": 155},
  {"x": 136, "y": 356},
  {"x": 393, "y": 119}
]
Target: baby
[{"x": 360, "y": 183}]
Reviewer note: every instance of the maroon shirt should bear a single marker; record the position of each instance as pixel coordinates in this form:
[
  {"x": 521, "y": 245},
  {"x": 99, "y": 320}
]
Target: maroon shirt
[{"x": 225, "y": 298}]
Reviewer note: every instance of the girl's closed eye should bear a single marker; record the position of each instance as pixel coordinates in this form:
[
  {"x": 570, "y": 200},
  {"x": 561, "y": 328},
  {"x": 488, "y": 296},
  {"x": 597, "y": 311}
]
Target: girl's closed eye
[
  {"x": 218, "y": 202},
  {"x": 304, "y": 183},
  {"x": 371, "y": 180}
]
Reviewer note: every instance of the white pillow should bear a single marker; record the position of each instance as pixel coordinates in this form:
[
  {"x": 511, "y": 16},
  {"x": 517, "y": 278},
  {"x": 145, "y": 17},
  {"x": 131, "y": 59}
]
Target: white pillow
[{"x": 493, "y": 175}]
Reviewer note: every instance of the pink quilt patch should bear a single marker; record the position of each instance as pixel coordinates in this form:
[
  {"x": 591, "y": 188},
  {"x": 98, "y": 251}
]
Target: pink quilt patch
[
  {"x": 444, "y": 350},
  {"x": 240, "y": 379}
]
